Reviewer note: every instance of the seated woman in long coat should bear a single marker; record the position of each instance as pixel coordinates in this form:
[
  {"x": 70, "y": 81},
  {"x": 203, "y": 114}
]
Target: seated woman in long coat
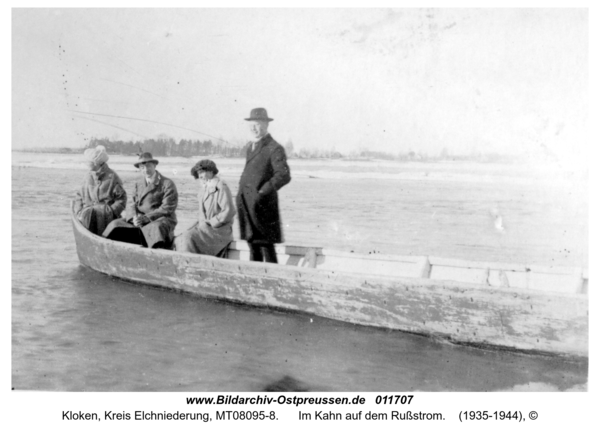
[
  {"x": 102, "y": 197},
  {"x": 213, "y": 232}
]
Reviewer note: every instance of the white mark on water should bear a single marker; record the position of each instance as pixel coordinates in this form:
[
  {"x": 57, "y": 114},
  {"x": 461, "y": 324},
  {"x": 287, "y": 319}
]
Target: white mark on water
[{"x": 498, "y": 223}]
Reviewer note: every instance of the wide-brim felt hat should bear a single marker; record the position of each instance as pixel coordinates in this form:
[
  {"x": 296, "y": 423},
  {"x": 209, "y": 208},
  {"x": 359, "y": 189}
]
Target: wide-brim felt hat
[
  {"x": 258, "y": 114},
  {"x": 145, "y": 158}
]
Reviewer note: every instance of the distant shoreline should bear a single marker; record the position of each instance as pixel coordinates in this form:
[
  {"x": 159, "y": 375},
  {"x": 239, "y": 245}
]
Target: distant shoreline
[
  {"x": 50, "y": 150},
  {"x": 493, "y": 158}
]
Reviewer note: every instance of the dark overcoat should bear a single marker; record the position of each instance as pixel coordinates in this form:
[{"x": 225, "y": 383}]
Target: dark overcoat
[
  {"x": 265, "y": 172},
  {"x": 100, "y": 200},
  {"x": 157, "y": 201}
]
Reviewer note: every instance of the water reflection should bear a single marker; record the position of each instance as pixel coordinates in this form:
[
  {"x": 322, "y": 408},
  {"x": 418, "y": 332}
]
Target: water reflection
[
  {"x": 113, "y": 335},
  {"x": 286, "y": 384}
]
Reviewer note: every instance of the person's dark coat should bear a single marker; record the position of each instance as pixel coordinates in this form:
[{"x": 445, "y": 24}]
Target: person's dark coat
[
  {"x": 100, "y": 200},
  {"x": 158, "y": 202},
  {"x": 265, "y": 172}
]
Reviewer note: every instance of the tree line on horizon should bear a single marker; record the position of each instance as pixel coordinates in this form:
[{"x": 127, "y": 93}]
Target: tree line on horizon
[{"x": 169, "y": 147}]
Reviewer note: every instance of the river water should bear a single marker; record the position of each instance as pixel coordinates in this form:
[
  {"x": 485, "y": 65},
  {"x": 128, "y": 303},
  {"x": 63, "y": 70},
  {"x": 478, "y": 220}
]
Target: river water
[{"x": 77, "y": 330}]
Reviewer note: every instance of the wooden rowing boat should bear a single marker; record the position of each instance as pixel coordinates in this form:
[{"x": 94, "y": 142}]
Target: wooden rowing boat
[{"x": 517, "y": 307}]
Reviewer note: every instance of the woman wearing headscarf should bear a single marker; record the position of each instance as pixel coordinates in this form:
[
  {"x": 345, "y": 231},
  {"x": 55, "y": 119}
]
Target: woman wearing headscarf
[
  {"x": 213, "y": 232},
  {"x": 102, "y": 198}
]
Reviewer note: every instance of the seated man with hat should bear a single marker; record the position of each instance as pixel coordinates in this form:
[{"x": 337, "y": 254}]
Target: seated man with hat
[
  {"x": 154, "y": 201},
  {"x": 102, "y": 198}
]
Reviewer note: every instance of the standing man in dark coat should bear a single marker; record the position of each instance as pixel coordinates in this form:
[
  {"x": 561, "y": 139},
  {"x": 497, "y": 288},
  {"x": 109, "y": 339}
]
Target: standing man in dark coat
[
  {"x": 154, "y": 202},
  {"x": 265, "y": 172}
]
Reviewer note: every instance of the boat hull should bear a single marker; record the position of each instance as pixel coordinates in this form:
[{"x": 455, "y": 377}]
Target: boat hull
[{"x": 464, "y": 313}]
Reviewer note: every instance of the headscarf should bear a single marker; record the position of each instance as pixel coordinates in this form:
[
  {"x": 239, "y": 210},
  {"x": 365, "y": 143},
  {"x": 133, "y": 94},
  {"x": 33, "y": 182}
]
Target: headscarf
[{"x": 96, "y": 155}]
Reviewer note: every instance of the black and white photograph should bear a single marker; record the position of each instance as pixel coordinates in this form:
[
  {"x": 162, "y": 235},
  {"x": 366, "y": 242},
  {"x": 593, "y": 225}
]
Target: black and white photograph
[{"x": 358, "y": 200}]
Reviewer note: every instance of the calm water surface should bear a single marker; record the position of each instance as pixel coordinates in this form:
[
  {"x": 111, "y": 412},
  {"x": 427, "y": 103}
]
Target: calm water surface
[{"x": 77, "y": 330}]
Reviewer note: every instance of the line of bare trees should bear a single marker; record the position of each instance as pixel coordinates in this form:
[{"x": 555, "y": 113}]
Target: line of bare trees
[{"x": 167, "y": 146}]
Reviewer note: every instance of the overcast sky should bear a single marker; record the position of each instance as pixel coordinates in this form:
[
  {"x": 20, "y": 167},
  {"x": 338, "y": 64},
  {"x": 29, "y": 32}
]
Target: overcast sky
[{"x": 504, "y": 80}]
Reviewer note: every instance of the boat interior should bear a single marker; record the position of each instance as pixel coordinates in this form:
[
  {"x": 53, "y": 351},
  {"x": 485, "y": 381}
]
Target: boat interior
[{"x": 485, "y": 274}]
